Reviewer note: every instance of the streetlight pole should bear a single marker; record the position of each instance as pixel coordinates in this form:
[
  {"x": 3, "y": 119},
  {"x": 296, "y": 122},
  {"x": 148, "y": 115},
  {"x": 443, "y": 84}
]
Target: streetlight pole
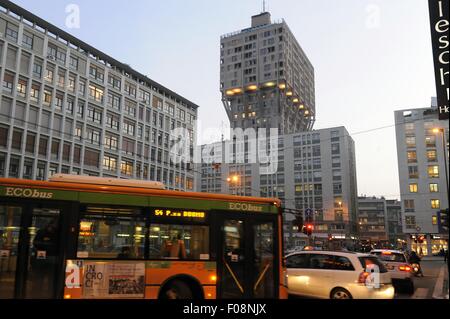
[{"x": 444, "y": 150}]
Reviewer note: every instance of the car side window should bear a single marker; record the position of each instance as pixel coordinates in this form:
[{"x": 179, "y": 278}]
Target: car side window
[
  {"x": 321, "y": 261},
  {"x": 343, "y": 263},
  {"x": 297, "y": 261}
]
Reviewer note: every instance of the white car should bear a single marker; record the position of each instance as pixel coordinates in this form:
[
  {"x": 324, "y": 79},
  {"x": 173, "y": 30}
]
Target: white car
[
  {"x": 397, "y": 264},
  {"x": 337, "y": 275}
]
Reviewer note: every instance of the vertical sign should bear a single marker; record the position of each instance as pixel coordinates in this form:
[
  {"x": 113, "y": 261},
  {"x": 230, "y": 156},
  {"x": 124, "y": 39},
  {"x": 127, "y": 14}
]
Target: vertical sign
[{"x": 439, "y": 23}]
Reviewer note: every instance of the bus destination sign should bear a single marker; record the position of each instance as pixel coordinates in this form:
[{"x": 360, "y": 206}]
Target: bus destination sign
[{"x": 179, "y": 214}]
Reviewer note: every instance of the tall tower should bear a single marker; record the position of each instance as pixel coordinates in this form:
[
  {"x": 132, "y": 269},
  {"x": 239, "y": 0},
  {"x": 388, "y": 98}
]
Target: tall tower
[{"x": 266, "y": 79}]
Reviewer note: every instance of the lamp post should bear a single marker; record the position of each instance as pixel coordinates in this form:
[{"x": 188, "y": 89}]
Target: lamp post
[{"x": 444, "y": 149}]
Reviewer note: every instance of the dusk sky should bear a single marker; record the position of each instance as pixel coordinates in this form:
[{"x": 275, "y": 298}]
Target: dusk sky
[{"x": 371, "y": 57}]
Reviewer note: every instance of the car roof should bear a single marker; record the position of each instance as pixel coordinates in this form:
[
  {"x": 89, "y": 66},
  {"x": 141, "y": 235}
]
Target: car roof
[
  {"x": 389, "y": 250},
  {"x": 329, "y": 252}
]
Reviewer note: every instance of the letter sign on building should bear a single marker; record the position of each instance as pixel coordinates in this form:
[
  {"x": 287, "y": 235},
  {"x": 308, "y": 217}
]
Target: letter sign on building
[{"x": 439, "y": 23}]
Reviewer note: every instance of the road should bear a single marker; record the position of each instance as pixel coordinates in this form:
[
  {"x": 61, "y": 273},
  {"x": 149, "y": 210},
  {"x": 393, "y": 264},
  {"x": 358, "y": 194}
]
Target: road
[{"x": 424, "y": 286}]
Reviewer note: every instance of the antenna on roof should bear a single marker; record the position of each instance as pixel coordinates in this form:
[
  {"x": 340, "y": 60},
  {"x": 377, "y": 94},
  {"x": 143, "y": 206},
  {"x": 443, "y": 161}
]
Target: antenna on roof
[{"x": 264, "y": 6}]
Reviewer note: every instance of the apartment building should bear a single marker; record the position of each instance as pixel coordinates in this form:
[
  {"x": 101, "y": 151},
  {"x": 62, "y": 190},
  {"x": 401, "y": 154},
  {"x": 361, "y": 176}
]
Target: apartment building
[{"x": 422, "y": 153}]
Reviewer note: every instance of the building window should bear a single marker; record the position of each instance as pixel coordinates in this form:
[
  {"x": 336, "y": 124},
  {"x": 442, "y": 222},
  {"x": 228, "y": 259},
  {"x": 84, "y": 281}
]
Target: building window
[
  {"x": 431, "y": 155},
  {"x": 413, "y": 188},
  {"x": 93, "y": 136},
  {"x": 8, "y": 80},
  {"x": 410, "y": 222},
  {"x": 130, "y": 108},
  {"x": 47, "y": 96},
  {"x": 96, "y": 73},
  {"x": 413, "y": 172},
  {"x": 112, "y": 121},
  {"x": 433, "y": 171},
  {"x": 114, "y": 82},
  {"x": 434, "y": 188},
  {"x": 434, "y": 220},
  {"x": 94, "y": 114},
  {"x": 27, "y": 40},
  {"x": 409, "y": 205},
  {"x": 37, "y": 70},
  {"x": 109, "y": 163},
  {"x": 91, "y": 158},
  {"x": 412, "y": 156},
  {"x": 410, "y": 141},
  {"x": 111, "y": 142},
  {"x": 114, "y": 101},
  {"x": 22, "y": 88},
  {"x": 73, "y": 62},
  {"x": 81, "y": 87},
  {"x": 11, "y": 32},
  {"x": 96, "y": 93},
  {"x": 126, "y": 168},
  {"x": 435, "y": 204},
  {"x": 128, "y": 128},
  {"x": 430, "y": 141}
]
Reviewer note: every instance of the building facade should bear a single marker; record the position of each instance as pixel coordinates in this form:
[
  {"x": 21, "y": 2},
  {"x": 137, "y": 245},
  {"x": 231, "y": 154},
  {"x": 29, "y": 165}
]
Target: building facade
[
  {"x": 394, "y": 222},
  {"x": 66, "y": 107},
  {"x": 422, "y": 152},
  {"x": 266, "y": 79},
  {"x": 315, "y": 170},
  {"x": 372, "y": 219}
]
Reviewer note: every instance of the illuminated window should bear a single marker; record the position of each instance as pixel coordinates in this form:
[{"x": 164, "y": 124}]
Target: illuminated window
[
  {"x": 412, "y": 157},
  {"x": 435, "y": 204},
  {"x": 434, "y": 188},
  {"x": 434, "y": 220},
  {"x": 111, "y": 233},
  {"x": 430, "y": 141},
  {"x": 109, "y": 163},
  {"x": 433, "y": 171},
  {"x": 169, "y": 241},
  {"x": 413, "y": 188},
  {"x": 126, "y": 167},
  {"x": 431, "y": 156},
  {"x": 410, "y": 141}
]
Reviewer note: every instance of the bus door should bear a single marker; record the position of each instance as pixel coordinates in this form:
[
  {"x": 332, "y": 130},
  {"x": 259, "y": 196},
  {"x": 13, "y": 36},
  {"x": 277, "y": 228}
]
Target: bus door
[
  {"x": 247, "y": 257},
  {"x": 31, "y": 249}
]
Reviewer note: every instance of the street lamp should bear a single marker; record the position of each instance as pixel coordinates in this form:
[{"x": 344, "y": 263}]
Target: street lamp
[
  {"x": 233, "y": 179},
  {"x": 444, "y": 149}
]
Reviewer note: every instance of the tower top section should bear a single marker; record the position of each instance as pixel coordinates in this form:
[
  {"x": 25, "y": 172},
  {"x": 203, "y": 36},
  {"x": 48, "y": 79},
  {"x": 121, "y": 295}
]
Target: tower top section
[{"x": 261, "y": 19}]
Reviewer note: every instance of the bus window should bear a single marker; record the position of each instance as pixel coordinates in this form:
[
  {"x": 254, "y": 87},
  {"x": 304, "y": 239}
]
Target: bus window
[
  {"x": 179, "y": 241},
  {"x": 111, "y": 233}
]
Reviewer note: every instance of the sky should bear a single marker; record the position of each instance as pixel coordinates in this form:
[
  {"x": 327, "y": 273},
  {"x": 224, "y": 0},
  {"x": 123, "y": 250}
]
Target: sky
[{"x": 370, "y": 57}]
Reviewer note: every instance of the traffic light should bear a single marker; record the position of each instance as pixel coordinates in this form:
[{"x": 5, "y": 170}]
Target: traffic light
[
  {"x": 421, "y": 239},
  {"x": 308, "y": 229}
]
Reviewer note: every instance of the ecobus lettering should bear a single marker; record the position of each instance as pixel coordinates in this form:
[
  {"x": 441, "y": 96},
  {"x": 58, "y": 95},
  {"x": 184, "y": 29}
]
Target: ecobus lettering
[{"x": 27, "y": 192}]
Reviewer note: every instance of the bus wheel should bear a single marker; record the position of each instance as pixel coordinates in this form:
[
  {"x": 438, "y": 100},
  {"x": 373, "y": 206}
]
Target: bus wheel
[{"x": 177, "y": 289}]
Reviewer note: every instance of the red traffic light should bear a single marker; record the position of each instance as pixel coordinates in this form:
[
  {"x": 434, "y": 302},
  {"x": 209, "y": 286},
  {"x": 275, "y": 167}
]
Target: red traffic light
[{"x": 310, "y": 226}]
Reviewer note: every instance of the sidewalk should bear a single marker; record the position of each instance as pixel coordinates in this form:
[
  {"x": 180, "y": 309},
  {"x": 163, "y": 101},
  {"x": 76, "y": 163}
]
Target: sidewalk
[
  {"x": 433, "y": 258},
  {"x": 441, "y": 287}
]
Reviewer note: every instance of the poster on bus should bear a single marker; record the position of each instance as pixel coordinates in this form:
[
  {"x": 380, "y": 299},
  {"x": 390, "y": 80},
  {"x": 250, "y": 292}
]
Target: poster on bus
[{"x": 113, "y": 280}]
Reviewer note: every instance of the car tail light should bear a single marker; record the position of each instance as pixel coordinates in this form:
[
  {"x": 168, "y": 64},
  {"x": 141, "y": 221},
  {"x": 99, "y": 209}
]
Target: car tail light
[
  {"x": 404, "y": 268},
  {"x": 362, "y": 277}
]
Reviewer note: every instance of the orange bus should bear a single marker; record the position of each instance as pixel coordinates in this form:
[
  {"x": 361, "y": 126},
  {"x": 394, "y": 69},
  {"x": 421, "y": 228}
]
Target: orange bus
[{"x": 93, "y": 237}]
